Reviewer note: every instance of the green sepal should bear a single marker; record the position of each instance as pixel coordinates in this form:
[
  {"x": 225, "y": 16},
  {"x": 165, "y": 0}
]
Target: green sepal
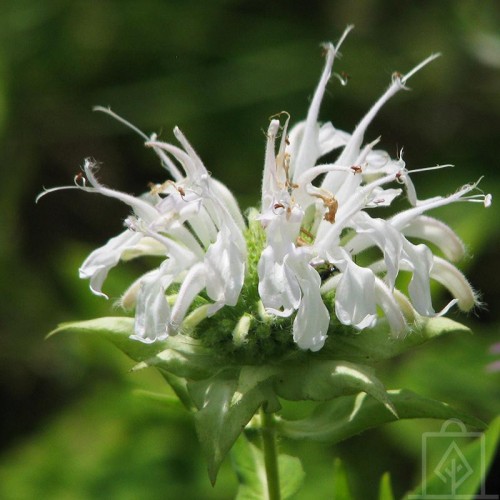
[
  {"x": 347, "y": 416},
  {"x": 223, "y": 412},
  {"x": 319, "y": 380},
  {"x": 248, "y": 463},
  {"x": 376, "y": 344},
  {"x": 477, "y": 457}
]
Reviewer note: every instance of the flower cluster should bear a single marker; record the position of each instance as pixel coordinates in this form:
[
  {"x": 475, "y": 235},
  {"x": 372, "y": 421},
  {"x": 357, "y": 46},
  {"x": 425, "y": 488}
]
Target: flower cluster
[{"x": 319, "y": 225}]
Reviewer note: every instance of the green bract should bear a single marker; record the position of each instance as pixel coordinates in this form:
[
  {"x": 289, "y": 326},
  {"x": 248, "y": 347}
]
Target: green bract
[{"x": 224, "y": 393}]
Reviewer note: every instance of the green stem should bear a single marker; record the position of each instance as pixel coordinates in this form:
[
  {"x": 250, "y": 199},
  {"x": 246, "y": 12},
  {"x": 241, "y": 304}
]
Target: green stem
[{"x": 270, "y": 455}]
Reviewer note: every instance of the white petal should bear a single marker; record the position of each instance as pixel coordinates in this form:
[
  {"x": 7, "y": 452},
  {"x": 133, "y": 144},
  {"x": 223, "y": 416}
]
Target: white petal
[
  {"x": 388, "y": 239},
  {"x": 193, "y": 284},
  {"x": 181, "y": 156},
  {"x": 328, "y": 233},
  {"x": 182, "y": 255},
  {"x": 97, "y": 265},
  {"x": 391, "y": 308},
  {"x": 225, "y": 270},
  {"x": 402, "y": 219},
  {"x": 419, "y": 259},
  {"x": 200, "y": 170},
  {"x": 152, "y": 310},
  {"x": 438, "y": 233},
  {"x": 309, "y": 149},
  {"x": 355, "y": 297},
  {"x": 204, "y": 228},
  {"x": 222, "y": 193},
  {"x": 450, "y": 277},
  {"x": 145, "y": 246},
  {"x": 380, "y": 197},
  {"x": 331, "y": 138},
  {"x": 310, "y": 326},
  {"x": 278, "y": 287},
  {"x": 269, "y": 180}
]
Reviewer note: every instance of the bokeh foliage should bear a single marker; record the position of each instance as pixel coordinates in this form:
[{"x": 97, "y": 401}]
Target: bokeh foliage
[{"x": 70, "y": 427}]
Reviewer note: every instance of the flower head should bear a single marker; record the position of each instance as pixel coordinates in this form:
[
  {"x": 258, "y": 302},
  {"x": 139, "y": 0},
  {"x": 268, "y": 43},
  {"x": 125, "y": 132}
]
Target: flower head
[{"x": 303, "y": 258}]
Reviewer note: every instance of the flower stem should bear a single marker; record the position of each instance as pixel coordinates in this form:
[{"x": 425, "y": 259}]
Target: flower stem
[{"x": 270, "y": 455}]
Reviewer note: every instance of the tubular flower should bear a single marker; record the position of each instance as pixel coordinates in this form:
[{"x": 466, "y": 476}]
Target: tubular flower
[{"x": 319, "y": 231}]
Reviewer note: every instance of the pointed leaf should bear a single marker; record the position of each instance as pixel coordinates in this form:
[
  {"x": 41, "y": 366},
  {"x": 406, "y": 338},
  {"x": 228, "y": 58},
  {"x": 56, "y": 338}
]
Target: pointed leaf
[
  {"x": 117, "y": 330},
  {"x": 477, "y": 457},
  {"x": 385, "y": 488},
  {"x": 222, "y": 416},
  {"x": 324, "y": 380},
  {"x": 376, "y": 344},
  {"x": 180, "y": 355},
  {"x": 347, "y": 416},
  {"x": 248, "y": 463},
  {"x": 340, "y": 483}
]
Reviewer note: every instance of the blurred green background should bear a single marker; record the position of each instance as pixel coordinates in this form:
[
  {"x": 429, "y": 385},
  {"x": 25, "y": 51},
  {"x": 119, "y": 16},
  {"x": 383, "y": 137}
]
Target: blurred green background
[{"x": 71, "y": 425}]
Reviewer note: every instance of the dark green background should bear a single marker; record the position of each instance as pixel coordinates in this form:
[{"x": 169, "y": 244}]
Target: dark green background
[{"x": 70, "y": 429}]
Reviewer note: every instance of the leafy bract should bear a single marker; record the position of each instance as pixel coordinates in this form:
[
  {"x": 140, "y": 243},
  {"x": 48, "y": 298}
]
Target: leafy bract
[
  {"x": 225, "y": 396},
  {"x": 376, "y": 344},
  {"x": 347, "y": 416},
  {"x": 117, "y": 330},
  {"x": 324, "y": 380},
  {"x": 222, "y": 414}
]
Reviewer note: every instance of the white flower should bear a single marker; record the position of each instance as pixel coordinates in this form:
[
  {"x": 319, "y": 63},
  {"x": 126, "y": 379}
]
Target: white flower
[
  {"x": 327, "y": 225},
  {"x": 194, "y": 223},
  {"x": 314, "y": 262}
]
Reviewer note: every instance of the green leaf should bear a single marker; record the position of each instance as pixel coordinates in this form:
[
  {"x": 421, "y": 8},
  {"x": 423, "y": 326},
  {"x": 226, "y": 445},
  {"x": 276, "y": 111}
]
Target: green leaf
[
  {"x": 324, "y": 380},
  {"x": 385, "y": 488},
  {"x": 117, "y": 330},
  {"x": 223, "y": 414},
  {"x": 248, "y": 463},
  {"x": 180, "y": 355},
  {"x": 340, "y": 484},
  {"x": 476, "y": 456},
  {"x": 376, "y": 344},
  {"x": 347, "y": 416}
]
